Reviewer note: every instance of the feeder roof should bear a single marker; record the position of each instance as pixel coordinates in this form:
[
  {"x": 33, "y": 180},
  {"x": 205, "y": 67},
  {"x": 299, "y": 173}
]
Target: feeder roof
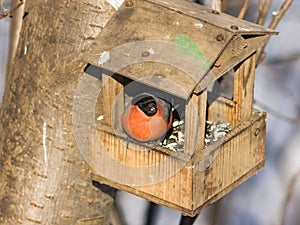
[{"x": 176, "y": 46}]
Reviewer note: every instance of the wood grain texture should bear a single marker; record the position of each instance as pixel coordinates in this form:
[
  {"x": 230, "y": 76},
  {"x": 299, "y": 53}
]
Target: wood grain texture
[
  {"x": 191, "y": 188},
  {"x": 239, "y": 49},
  {"x": 244, "y": 89},
  {"x": 236, "y": 159},
  {"x": 43, "y": 177},
  {"x": 109, "y": 92},
  {"x": 221, "y": 109},
  {"x": 217, "y": 19},
  {"x": 197, "y": 47},
  {"x": 195, "y": 114},
  {"x": 158, "y": 56}
]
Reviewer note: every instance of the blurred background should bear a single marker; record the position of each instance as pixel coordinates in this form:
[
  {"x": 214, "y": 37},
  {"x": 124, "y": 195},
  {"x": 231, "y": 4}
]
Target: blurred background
[{"x": 272, "y": 197}]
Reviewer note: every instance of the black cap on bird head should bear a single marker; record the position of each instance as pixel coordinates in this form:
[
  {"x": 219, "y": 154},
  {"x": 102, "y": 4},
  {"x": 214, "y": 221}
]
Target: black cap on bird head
[{"x": 146, "y": 103}]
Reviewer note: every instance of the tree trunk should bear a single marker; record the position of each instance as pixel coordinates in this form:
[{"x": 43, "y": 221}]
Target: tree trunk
[{"x": 43, "y": 177}]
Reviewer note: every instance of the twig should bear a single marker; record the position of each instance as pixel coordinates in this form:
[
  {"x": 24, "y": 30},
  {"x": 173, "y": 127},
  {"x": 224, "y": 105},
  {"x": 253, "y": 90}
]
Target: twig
[
  {"x": 216, "y": 5},
  {"x": 277, "y": 16},
  {"x": 12, "y": 10},
  {"x": 244, "y": 9},
  {"x": 2, "y": 6},
  {"x": 291, "y": 189},
  {"x": 263, "y": 9}
]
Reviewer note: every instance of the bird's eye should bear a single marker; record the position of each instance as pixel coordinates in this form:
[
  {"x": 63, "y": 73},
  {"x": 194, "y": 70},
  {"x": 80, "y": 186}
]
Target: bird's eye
[
  {"x": 149, "y": 109},
  {"x": 147, "y": 105}
]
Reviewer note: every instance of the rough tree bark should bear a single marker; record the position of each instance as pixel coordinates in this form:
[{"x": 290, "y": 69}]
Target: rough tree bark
[{"x": 43, "y": 177}]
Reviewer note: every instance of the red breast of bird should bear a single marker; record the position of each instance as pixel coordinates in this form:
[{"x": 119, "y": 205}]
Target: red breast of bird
[{"x": 147, "y": 118}]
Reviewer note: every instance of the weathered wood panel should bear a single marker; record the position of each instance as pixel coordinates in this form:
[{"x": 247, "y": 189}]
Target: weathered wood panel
[
  {"x": 243, "y": 90},
  {"x": 187, "y": 187},
  {"x": 236, "y": 160}
]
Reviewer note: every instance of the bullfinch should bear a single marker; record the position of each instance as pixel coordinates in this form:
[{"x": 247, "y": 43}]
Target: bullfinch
[{"x": 147, "y": 118}]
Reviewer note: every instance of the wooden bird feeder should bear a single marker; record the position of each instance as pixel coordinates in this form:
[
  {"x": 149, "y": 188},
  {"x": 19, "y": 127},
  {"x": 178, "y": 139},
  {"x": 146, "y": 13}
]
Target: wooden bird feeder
[{"x": 177, "y": 49}]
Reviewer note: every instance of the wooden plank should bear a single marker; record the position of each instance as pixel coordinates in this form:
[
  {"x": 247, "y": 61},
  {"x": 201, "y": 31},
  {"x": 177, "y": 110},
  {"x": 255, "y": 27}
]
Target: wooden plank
[
  {"x": 218, "y": 19},
  {"x": 190, "y": 189},
  {"x": 185, "y": 43},
  {"x": 235, "y": 52},
  {"x": 180, "y": 200},
  {"x": 104, "y": 129},
  {"x": 113, "y": 107},
  {"x": 236, "y": 160},
  {"x": 195, "y": 117},
  {"x": 175, "y": 190},
  {"x": 243, "y": 90},
  {"x": 225, "y": 191},
  {"x": 221, "y": 109},
  {"x": 191, "y": 42},
  {"x": 161, "y": 177},
  {"x": 160, "y": 76}
]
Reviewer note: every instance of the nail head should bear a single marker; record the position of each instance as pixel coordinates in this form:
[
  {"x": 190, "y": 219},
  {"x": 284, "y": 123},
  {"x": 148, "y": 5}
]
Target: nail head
[
  {"x": 234, "y": 27},
  {"x": 145, "y": 54},
  {"x": 220, "y": 37},
  {"x": 129, "y": 3},
  {"x": 257, "y": 131}
]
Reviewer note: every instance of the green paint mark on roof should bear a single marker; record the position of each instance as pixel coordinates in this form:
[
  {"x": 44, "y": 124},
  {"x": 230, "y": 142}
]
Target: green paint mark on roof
[{"x": 188, "y": 46}]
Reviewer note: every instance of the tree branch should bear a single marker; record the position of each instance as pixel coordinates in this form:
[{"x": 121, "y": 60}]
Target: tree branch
[
  {"x": 216, "y": 5},
  {"x": 290, "y": 191},
  {"x": 15, "y": 30},
  {"x": 244, "y": 9},
  {"x": 12, "y": 10},
  {"x": 277, "y": 16},
  {"x": 263, "y": 9}
]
